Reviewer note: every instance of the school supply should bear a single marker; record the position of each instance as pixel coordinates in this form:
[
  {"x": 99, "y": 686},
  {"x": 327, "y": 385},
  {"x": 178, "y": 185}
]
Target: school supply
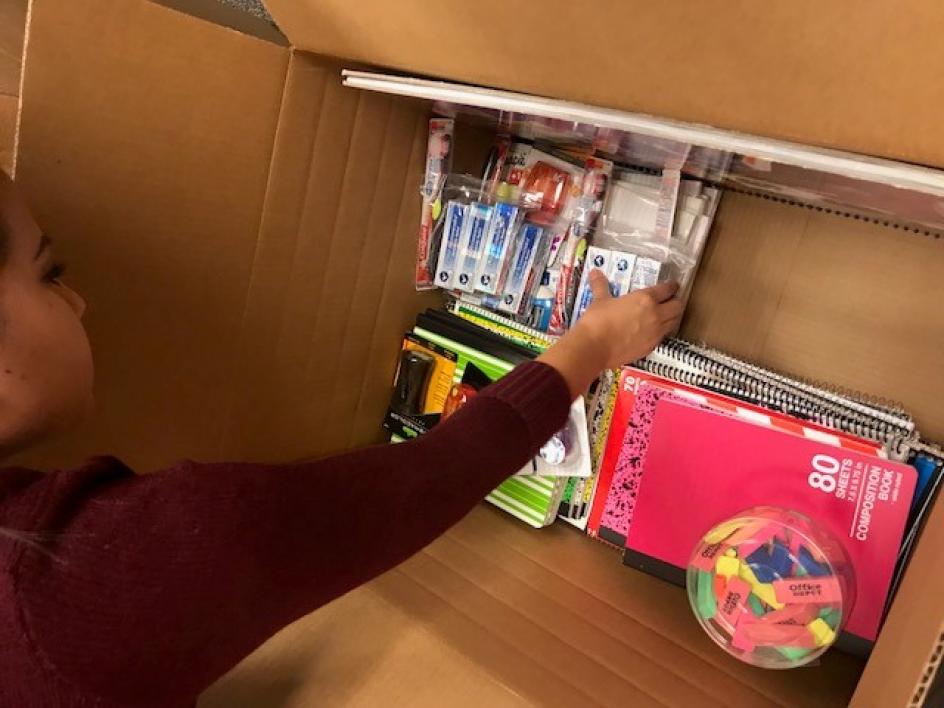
[
  {"x": 771, "y": 587},
  {"x": 506, "y": 327},
  {"x": 438, "y": 160},
  {"x": 886, "y": 424},
  {"x": 421, "y": 384},
  {"x": 534, "y": 494},
  {"x": 710, "y": 369},
  {"x": 702, "y": 466},
  {"x": 566, "y": 271},
  {"x": 612, "y": 503},
  {"x": 575, "y": 503}
]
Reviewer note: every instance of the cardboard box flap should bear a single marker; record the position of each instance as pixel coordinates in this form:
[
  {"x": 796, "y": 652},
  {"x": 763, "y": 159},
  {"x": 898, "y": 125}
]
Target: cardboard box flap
[
  {"x": 884, "y": 189},
  {"x": 332, "y": 292},
  {"x": 849, "y": 75},
  {"x": 242, "y": 188},
  {"x": 149, "y": 167},
  {"x": 911, "y": 646},
  {"x": 550, "y": 617},
  {"x": 225, "y": 15}
]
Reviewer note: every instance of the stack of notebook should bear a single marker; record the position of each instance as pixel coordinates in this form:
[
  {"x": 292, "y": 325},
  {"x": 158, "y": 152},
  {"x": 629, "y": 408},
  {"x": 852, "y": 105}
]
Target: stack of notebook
[
  {"x": 495, "y": 345},
  {"x": 731, "y": 435}
]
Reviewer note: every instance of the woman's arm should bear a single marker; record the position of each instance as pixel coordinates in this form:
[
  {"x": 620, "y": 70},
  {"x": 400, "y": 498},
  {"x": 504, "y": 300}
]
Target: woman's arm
[{"x": 157, "y": 585}]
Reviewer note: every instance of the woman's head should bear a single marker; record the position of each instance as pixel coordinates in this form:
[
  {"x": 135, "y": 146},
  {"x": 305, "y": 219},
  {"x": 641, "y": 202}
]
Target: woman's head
[{"x": 45, "y": 360}]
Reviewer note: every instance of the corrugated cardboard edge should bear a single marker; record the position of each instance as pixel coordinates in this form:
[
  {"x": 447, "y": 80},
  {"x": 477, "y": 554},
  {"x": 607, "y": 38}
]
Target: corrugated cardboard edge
[
  {"x": 930, "y": 672},
  {"x": 910, "y": 647},
  {"x": 183, "y": 206},
  {"x": 19, "y": 108},
  {"x": 850, "y": 75}
]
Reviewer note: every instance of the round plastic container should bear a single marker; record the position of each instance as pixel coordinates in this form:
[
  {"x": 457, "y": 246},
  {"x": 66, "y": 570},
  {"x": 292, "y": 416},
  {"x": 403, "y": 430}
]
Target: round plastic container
[{"x": 771, "y": 588}]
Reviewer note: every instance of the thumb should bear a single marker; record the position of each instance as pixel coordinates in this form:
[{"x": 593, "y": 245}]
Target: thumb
[{"x": 599, "y": 285}]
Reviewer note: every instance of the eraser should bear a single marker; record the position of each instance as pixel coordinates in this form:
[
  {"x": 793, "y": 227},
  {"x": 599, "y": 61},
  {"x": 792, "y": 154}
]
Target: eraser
[
  {"x": 779, "y": 635},
  {"x": 792, "y": 614},
  {"x": 811, "y": 565},
  {"x": 721, "y": 532},
  {"x": 808, "y": 590},
  {"x": 770, "y": 561},
  {"x": 769, "y": 606},
  {"x": 831, "y": 616},
  {"x": 822, "y": 632},
  {"x": 758, "y": 539},
  {"x": 765, "y": 591},
  {"x": 726, "y": 566},
  {"x": 793, "y": 654},
  {"x": 741, "y": 641},
  {"x": 707, "y": 607},
  {"x": 732, "y": 607},
  {"x": 720, "y": 585},
  {"x": 706, "y": 558},
  {"x": 762, "y": 571}
]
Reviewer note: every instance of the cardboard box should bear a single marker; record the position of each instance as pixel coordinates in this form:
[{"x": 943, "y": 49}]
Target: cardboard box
[{"x": 243, "y": 227}]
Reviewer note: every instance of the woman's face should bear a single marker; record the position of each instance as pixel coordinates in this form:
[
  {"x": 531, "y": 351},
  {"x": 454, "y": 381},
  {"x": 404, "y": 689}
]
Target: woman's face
[{"x": 46, "y": 368}]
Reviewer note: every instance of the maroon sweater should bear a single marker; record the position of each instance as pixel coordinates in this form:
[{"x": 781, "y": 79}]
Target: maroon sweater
[{"x": 143, "y": 590}]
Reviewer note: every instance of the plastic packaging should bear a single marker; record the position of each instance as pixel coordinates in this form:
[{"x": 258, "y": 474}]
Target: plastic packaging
[
  {"x": 456, "y": 214},
  {"x": 771, "y": 588},
  {"x": 586, "y": 208},
  {"x": 471, "y": 245},
  {"x": 567, "y": 453},
  {"x": 525, "y": 268},
  {"x": 501, "y": 232},
  {"x": 438, "y": 160}
]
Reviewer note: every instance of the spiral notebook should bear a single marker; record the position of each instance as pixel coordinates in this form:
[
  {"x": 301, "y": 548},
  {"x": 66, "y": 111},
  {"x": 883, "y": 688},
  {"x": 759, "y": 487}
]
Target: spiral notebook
[
  {"x": 723, "y": 464},
  {"x": 616, "y": 486},
  {"x": 709, "y": 369},
  {"x": 890, "y": 426}
]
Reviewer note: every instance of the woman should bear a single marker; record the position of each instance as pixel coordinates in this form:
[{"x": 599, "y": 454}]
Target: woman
[{"x": 121, "y": 590}]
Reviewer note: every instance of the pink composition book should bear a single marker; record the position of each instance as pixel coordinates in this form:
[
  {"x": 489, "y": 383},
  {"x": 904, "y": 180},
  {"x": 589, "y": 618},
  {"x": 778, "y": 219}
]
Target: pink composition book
[{"x": 702, "y": 467}]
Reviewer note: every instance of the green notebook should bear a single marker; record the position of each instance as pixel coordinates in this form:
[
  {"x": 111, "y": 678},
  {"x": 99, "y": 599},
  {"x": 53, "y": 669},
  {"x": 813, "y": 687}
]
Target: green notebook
[{"x": 533, "y": 499}]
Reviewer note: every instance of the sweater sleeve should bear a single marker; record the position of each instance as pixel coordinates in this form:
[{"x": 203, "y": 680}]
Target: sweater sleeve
[{"x": 156, "y": 585}]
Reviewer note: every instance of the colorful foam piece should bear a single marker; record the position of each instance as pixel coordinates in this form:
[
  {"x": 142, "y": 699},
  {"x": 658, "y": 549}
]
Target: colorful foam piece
[
  {"x": 706, "y": 604},
  {"x": 727, "y": 566},
  {"x": 811, "y": 565},
  {"x": 766, "y": 592},
  {"x": 822, "y": 632}
]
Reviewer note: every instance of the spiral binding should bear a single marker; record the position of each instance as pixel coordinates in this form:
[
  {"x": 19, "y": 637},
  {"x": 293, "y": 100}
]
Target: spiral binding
[
  {"x": 702, "y": 367},
  {"x": 456, "y": 306},
  {"x": 894, "y": 414},
  {"x": 863, "y": 410}
]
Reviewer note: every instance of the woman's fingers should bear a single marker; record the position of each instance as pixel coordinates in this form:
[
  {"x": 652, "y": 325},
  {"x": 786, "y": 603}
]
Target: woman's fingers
[
  {"x": 599, "y": 286},
  {"x": 663, "y": 291},
  {"x": 671, "y": 310}
]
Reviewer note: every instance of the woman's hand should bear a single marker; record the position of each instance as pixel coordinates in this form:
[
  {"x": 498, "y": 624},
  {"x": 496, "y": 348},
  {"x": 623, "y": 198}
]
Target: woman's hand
[{"x": 614, "y": 331}]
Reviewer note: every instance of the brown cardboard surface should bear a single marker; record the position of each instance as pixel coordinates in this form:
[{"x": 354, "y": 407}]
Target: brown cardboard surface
[
  {"x": 856, "y": 75},
  {"x": 912, "y": 642},
  {"x": 548, "y": 615},
  {"x": 332, "y": 289},
  {"x": 825, "y": 297},
  {"x": 243, "y": 229},
  {"x": 148, "y": 168},
  {"x": 12, "y": 27},
  {"x": 225, "y": 15}
]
